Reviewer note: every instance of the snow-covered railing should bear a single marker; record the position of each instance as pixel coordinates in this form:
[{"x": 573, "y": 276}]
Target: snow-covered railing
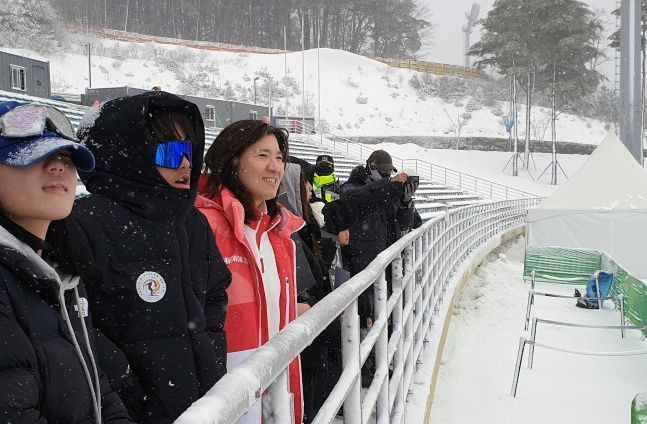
[
  {"x": 434, "y": 172},
  {"x": 423, "y": 264}
]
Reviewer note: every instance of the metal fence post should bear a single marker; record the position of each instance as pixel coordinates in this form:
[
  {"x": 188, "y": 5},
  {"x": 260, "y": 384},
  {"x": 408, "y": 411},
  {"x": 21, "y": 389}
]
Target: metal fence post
[
  {"x": 350, "y": 355},
  {"x": 408, "y": 307},
  {"x": 397, "y": 324},
  {"x": 383, "y": 409}
]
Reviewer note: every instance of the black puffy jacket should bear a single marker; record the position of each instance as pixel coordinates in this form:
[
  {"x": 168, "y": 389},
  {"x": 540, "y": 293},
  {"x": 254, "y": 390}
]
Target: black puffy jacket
[
  {"x": 154, "y": 275},
  {"x": 42, "y": 379},
  {"x": 377, "y": 231}
]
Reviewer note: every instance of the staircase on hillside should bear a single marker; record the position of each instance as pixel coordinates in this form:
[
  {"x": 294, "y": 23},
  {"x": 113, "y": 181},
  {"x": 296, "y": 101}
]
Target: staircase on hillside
[{"x": 440, "y": 188}]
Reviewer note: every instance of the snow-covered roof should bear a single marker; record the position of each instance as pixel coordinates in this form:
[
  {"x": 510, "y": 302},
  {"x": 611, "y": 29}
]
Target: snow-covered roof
[{"x": 611, "y": 180}]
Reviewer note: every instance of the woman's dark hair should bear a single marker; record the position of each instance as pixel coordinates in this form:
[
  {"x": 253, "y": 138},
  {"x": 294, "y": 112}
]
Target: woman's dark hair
[
  {"x": 162, "y": 124},
  {"x": 223, "y": 158}
]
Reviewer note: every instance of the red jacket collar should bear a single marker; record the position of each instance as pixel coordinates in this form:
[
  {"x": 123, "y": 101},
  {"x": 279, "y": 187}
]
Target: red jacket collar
[{"x": 285, "y": 221}]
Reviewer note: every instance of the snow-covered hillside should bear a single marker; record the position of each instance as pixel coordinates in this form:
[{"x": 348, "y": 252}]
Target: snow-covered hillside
[{"x": 359, "y": 96}]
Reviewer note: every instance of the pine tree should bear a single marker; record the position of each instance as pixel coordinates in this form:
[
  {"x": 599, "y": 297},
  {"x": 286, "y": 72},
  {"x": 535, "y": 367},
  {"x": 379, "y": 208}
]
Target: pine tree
[
  {"x": 548, "y": 44},
  {"x": 510, "y": 43},
  {"x": 28, "y": 24}
]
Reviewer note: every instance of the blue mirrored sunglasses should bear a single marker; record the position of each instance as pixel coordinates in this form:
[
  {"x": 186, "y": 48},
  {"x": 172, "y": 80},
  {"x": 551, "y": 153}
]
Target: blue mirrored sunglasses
[{"x": 170, "y": 154}]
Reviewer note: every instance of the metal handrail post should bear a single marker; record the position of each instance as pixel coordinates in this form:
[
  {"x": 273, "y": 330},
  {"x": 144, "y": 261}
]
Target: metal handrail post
[
  {"x": 383, "y": 410},
  {"x": 350, "y": 354},
  {"x": 398, "y": 326},
  {"x": 408, "y": 327}
]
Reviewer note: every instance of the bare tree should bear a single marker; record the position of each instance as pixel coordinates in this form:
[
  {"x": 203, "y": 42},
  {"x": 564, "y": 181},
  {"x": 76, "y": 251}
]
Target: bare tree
[
  {"x": 456, "y": 125},
  {"x": 539, "y": 126}
]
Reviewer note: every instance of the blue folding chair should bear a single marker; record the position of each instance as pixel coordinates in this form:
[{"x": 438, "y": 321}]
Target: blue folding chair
[{"x": 598, "y": 287}]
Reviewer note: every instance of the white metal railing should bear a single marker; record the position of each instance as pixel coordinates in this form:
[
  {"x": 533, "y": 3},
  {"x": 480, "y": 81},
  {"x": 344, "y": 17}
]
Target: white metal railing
[
  {"x": 422, "y": 265},
  {"x": 434, "y": 172}
]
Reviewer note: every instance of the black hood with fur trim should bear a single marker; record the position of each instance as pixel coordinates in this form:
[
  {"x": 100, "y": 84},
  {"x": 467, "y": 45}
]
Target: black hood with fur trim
[
  {"x": 359, "y": 175},
  {"x": 124, "y": 149}
]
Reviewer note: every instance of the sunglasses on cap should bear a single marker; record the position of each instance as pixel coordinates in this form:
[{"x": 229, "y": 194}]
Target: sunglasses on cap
[
  {"x": 32, "y": 120},
  {"x": 171, "y": 154}
]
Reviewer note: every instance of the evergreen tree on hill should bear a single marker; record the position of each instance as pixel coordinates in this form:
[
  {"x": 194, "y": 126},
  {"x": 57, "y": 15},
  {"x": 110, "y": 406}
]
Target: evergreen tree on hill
[
  {"x": 28, "y": 24},
  {"x": 570, "y": 51},
  {"x": 550, "y": 45}
]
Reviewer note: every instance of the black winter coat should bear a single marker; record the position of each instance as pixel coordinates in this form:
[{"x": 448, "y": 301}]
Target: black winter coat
[
  {"x": 154, "y": 275},
  {"x": 377, "y": 231},
  {"x": 41, "y": 376}
]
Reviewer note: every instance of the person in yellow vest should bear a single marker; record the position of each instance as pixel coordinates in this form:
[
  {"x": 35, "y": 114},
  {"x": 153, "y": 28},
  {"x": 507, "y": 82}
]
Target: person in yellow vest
[{"x": 325, "y": 183}]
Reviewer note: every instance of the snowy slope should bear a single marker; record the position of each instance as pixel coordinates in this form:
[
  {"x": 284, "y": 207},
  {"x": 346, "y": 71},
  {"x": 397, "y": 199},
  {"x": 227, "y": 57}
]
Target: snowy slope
[{"x": 360, "y": 96}]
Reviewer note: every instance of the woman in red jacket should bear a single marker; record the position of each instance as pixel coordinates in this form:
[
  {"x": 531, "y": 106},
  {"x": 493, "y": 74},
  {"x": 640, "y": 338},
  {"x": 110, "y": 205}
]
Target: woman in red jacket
[{"x": 244, "y": 168}]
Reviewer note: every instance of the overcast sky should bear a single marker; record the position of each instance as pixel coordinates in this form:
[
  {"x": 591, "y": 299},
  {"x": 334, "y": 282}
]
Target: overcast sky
[{"x": 448, "y": 17}]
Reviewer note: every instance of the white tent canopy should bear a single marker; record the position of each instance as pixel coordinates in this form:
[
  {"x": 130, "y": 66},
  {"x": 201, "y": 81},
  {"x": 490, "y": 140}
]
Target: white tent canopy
[{"x": 602, "y": 207}]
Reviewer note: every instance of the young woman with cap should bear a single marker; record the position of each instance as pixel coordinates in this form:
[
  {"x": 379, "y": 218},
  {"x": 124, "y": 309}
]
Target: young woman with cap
[
  {"x": 49, "y": 373},
  {"x": 244, "y": 168},
  {"x": 155, "y": 278}
]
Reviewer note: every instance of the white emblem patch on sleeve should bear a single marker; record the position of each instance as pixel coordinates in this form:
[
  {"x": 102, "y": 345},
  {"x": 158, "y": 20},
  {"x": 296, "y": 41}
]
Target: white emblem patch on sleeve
[{"x": 151, "y": 287}]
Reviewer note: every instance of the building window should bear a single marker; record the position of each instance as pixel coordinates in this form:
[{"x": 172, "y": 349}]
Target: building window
[
  {"x": 253, "y": 114},
  {"x": 211, "y": 113},
  {"x": 18, "y": 78}
]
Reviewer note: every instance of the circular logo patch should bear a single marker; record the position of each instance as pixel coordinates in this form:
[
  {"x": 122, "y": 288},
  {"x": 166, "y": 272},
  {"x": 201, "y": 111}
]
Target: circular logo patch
[{"x": 151, "y": 287}]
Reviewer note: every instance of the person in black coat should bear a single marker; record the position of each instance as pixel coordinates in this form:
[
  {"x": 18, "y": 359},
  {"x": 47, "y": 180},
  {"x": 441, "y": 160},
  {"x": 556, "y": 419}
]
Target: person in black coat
[
  {"x": 155, "y": 277},
  {"x": 48, "y": 373},
  {"x": 395, "y": 215}
]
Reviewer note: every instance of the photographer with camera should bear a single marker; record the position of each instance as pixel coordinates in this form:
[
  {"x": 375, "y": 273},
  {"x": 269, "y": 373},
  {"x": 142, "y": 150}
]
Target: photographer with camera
[{"x": 379, "y": 230}]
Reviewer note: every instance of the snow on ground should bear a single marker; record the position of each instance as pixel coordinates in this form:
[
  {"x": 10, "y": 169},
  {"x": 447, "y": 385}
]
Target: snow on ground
[
  {"x": 489, "y": 165},
  {"x": 360, "y": 96},
  {"x": 477, "y": 366}
]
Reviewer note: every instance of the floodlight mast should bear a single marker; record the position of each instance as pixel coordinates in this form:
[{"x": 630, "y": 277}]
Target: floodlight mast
[{"x": 472, "y": 17}]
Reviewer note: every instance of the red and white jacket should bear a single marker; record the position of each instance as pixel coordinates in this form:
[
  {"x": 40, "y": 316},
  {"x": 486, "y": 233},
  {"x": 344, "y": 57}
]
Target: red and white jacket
[{"x": 246, "y": 323}]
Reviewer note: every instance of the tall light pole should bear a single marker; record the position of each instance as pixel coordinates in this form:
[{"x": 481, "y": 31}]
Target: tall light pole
[
  {"x": 285, "y": 65},
  {"x": 255, "y": 79},
  {"x": 89, "y": 68},
  {"x": 303, "y": 76},
  {"x": 269, "y": 103},
  {"x": 472, "y": 17}
]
